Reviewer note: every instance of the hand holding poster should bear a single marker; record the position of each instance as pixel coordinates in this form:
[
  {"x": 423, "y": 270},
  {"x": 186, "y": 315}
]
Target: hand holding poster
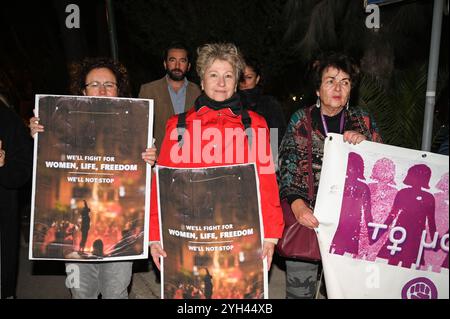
[
  {"x": 383, "y": 213},
  {"x": 91, "y": 186},
  {"x": 212, "y": 232}
]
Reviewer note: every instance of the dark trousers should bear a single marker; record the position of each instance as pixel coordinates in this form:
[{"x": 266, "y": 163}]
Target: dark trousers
[{"x": 9, "y": 239}]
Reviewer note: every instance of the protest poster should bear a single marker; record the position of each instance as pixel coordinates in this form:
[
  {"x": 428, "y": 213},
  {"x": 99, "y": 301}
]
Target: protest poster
[
  {"x": 383, "y": 214},
  {"x": 211, "y": 229},
  {"x": 91, "y": 188}
]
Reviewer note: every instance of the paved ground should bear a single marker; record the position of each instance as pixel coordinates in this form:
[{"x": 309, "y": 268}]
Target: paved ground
[{"x": 46, "y": 280}]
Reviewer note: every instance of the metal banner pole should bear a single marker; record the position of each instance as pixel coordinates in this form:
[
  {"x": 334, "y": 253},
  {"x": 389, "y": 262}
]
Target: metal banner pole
[{"x": 432, "y": 75}]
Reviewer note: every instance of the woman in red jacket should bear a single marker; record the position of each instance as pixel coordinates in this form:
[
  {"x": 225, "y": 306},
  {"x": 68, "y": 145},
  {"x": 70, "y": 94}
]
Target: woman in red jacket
[{"x": 217, "y": 111}]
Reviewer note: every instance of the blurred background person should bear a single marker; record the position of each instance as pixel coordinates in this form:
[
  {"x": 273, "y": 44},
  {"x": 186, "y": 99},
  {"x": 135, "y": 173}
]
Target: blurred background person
[{"x": 253, "y": 97}]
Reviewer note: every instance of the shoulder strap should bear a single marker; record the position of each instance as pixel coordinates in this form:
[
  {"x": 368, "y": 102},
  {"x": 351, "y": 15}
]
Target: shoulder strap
[
  {"x": 247, "y": 121},
  {"x": 309, "y": 145},
  {"x": 181, "y": 128}
]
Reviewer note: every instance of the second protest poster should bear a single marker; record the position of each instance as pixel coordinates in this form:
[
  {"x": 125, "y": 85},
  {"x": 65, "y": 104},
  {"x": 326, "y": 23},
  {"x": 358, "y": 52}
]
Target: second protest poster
[{"x": 211, "y": 229}]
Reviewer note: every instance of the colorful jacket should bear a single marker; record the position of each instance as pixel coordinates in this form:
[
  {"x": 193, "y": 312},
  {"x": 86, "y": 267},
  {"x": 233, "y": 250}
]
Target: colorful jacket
[{"x": 293, "y": 157}]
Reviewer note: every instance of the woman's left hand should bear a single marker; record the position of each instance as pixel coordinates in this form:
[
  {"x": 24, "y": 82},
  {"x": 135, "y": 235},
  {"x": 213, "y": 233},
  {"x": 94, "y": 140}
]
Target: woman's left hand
[
  {"x": 149, "y": 156},
  {"x": 268, "y": 249},
  {"x": 157, "y": 252},
  {"x": 353, "y": 137}
]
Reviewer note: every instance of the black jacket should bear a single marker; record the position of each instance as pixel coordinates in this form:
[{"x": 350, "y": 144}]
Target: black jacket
[
  {"x": 17, "y": 144},
  {"x": 267, "y": 106}
]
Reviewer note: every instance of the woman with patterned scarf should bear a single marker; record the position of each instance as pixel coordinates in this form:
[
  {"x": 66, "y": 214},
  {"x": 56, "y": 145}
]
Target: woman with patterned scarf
[{"x": 334, "y": 76}]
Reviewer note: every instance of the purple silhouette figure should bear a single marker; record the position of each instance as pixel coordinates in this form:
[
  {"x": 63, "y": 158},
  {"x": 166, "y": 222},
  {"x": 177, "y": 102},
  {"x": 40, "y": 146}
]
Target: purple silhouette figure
[
  {"x": 438, "y": 258},
  {"x": 413, "y": 208},
  {"x": 355, "y": 205},
  {"x": 382, "y": 194}
]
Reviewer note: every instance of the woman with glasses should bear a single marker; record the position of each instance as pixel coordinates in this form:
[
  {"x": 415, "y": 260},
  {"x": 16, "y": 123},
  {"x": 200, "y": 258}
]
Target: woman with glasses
[
  {"x": 100, "y": 77},
  {"x": 301, "y": 152}
]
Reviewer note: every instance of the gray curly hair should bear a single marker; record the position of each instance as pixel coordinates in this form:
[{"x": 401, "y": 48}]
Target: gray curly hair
[{"x": 210, "y": 52}]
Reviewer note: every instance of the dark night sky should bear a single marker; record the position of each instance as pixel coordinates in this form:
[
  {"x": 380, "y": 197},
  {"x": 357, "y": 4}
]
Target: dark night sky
[{"x": 36, "y": 47}]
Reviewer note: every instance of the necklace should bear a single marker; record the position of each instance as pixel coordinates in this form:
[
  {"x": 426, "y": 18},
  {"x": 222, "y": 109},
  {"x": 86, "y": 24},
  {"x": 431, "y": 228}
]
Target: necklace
[{"x": 325, "y": 126}]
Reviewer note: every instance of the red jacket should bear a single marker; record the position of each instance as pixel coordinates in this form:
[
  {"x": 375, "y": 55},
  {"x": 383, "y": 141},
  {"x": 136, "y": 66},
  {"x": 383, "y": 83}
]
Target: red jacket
[{"x": 198, "y": 152}]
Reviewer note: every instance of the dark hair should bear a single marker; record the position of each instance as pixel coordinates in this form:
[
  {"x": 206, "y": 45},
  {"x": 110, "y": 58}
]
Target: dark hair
[
  {"x": 79, "y": 72},
  {"x": 339, "y": 61},
  {"x": 176, "y": 45},
  {"x": 254, "y": 64}
]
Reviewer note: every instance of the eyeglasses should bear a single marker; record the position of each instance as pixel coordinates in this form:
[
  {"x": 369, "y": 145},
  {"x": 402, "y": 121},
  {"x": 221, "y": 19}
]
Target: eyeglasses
[{"x": 95, "y": 85}]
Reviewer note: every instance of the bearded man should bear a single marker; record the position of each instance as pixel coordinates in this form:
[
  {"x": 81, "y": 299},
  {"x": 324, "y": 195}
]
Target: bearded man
[{"x": 172, "y": 94}]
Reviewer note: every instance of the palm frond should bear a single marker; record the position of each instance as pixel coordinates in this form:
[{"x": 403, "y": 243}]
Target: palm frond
[{"x": 398, "y": 109}]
